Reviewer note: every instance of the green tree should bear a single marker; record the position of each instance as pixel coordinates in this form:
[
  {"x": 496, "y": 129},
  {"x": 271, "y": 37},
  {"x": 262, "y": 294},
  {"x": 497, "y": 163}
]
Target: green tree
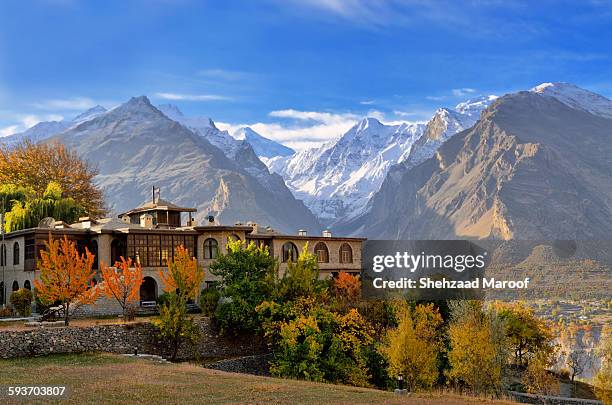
[
  {"x": 26, "y": 211},
  {"x": 528, "y": 335},
  {"x": 301, "y": 279},
  {"x": 246, "y": 275}
]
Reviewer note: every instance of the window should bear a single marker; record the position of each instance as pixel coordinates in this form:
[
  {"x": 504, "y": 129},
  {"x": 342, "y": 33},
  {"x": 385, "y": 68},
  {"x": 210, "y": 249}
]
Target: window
[
  {"x": 30, "y": 249},
  {"x": 290, "y": 252},
  {"x": 15, "y": 253},
  {"x": 154, "y": 250},
  {"x": 27, "y": 285},
  {"x": 211, "y": 248},
  {"x": 346, "y": 253},
  {"x": 3, "y": 255},
  {"x": 15, "y": 285},
  {"x": 321, "y": 252},
  {"x": 166, "y": 249}
]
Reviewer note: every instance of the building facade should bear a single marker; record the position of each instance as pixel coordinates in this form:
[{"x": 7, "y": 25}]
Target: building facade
[{"x": 151, "y": 234}]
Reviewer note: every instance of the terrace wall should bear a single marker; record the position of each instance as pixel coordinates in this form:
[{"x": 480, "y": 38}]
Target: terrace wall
[{"x": 121, "y": 339}]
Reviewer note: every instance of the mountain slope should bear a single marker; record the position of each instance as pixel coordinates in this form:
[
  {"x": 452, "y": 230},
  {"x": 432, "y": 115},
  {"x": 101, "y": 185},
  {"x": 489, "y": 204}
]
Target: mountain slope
[
  {"x": 46, "y": 129},
  {"x": 136, "y": 146},
  {"x": 575, "y": 97},
  {"x": 338, "y": 178},
  {"x": 532, "y": 168},
  {"x": 263, "y": 147}
]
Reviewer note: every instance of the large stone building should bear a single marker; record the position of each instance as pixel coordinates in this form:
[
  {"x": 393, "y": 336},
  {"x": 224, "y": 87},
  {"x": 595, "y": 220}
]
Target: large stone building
[{"x": 150, "y": 235}]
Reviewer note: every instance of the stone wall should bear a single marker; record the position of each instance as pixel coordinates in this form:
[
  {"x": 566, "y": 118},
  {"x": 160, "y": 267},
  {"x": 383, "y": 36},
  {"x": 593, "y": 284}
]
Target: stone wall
[
  {"x": 550, "y": 400},
  {"x": 258, "y": 364},
  {"x": 121, "y": 339}
]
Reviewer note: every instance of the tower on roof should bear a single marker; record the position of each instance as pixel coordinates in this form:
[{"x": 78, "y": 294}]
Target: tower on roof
[{"x": 164, "y": 214}]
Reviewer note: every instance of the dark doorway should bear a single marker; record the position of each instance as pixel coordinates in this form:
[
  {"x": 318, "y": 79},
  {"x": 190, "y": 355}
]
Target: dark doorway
[{"x": 148, "y": 290}]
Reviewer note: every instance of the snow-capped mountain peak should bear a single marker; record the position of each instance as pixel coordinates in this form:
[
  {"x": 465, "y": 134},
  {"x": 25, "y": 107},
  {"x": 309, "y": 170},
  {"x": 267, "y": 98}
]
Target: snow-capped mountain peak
[
  {"x": 475, "y": 105},
  {"x": 171, "y": 111},
  {"x": 264, "y": 148},
  {"x": 89, "y": 114},
  {"x": 576, "y": 97}
]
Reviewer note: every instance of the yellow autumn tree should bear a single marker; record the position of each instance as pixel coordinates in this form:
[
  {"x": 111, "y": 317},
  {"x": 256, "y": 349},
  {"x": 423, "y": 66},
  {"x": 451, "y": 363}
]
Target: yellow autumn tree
[
  {"x": 603, "y": 378},
  {"x": 412, "y": 348},
  {"x": 122, "y": 283},
  {"x": 181, "y": 282},
  {"x": 478, "y": 344},
  {"x": 66, "y": 276}
]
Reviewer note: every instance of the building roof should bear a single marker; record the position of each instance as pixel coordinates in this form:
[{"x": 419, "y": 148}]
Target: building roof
[{"x": 159, "y": 205}]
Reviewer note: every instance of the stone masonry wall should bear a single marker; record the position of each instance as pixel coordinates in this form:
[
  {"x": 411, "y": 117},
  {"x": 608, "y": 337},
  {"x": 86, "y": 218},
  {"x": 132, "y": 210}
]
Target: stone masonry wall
[{"x": 121, "y": 339}]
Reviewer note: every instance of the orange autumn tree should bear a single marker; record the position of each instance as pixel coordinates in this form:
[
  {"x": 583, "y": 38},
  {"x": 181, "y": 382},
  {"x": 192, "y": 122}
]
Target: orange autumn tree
[
  {"x": 347, "y": 288},
  {"x": 183, "y": 277},
  {"x": 123, "y": 284},
  {"x": 66, "y": 276}
]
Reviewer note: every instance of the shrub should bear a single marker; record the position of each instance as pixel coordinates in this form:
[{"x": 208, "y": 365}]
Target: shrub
[
  {"x": 6, "y": 312},
  {"x": 22, "y": 301},
  {"x": 324, "y": 346},
  {"x": 209, "y": 299}
]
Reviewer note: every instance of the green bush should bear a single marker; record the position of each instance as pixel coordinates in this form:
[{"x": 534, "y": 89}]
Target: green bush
[
  {"x": 163, "y": 299},
  {"x": 22, "y": 301},
  {"x": 246, "y": 275},
  {"x": 209, "y": 299}
]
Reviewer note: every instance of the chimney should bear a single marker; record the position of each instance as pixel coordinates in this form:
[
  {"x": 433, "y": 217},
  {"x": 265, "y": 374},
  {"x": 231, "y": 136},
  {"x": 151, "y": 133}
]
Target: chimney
[
  {"x": 327, "y": 233},
  {"x": 302, "y": 232},
  {"x": 254, "y": 226},
  {"x": 146, "y": 221},
  {"x": 85, "y": 222}
]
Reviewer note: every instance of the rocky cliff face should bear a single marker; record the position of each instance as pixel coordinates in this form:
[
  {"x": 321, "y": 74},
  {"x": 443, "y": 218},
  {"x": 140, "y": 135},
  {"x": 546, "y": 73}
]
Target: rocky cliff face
[
  {"x": 533, "y": 167},
  {"x": 136, "y": 146}
]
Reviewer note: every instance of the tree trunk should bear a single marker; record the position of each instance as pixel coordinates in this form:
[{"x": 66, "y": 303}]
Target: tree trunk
[{"x": 66, "y": 314}]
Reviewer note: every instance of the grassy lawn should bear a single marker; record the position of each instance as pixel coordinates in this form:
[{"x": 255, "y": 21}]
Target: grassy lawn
[{"x": 95, "y": 378}]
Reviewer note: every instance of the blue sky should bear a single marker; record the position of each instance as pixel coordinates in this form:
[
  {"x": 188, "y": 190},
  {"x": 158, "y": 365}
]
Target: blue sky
[{"x": 299, "y": 71}]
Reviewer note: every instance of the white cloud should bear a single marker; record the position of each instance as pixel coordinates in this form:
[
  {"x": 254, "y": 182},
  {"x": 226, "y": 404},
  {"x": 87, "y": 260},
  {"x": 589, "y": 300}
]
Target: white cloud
[
  {"x": 73, "y": 104},
  {"x": 367, "y": 102},
  {"x": 10, "y": 130},
  {"x": 26, "y": 121},
  {"x": 465, "y": 91},
  {"x": 324, "y": 117},
  {"x": 222, "y": 74},
  {"x": 191, "y": 97},
  {"x": 307, "y": 129}
]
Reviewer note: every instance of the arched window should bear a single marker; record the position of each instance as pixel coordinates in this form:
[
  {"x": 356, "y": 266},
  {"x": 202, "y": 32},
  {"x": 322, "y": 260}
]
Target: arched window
[
  {"x": 346, "y": 253},
  {"x": 322, "y": 253},
  {"x": 290, "y": 252},
  {"x": 15, "y": 254},
  {"x": 211, "y": 248},
  {"x": 15, "y": 285},
  {"x": 27, "y": 285},
  {"x": 3, "y": 255}
]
